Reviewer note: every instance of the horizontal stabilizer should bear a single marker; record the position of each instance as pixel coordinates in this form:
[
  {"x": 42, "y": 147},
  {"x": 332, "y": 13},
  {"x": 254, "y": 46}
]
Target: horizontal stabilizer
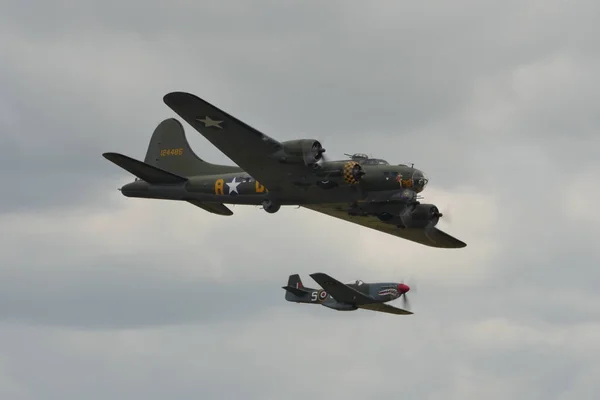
[
  {"x": 296, "y": 291},
  {"x": 144, "y": 171},
  {"x": 215, "y": 208}
]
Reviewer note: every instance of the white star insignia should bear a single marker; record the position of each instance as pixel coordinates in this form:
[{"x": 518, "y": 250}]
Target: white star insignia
[
  {"x": 233, "y": 186},
  {"x": 208, "y": 122}
]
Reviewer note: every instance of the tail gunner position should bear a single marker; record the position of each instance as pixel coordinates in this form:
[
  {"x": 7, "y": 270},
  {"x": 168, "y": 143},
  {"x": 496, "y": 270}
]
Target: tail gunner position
[{"x": 365, "y": 191}]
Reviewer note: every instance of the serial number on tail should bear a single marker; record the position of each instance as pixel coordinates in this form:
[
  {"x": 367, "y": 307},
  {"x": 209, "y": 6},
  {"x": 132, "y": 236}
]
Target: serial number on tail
[{"x": 171, "y": 152}]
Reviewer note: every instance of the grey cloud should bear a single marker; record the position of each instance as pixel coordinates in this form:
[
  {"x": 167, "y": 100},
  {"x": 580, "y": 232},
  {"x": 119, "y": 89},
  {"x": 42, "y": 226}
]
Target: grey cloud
[
  {"x": 408, "y": 95},
  {"x": 496, "y": 102},
  {"x": 115, "y": 295},
  {"x": 262, "y": 361},
  {"x": 97, "y": 268}
]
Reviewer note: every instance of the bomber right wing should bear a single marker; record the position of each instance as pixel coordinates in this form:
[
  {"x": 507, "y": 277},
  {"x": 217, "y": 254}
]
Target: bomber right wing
[{"x": 435, "y": 237}]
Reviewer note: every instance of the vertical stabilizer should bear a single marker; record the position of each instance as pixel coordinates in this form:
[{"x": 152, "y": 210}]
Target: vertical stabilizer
[
  {"x": 170, "y": 151},
  {"x": 295, "y": 290},
  {"x": 295, "y": 281}
]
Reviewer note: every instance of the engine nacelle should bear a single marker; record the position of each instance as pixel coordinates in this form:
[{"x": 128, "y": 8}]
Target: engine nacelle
[
  {"x": 339, "y": 173},
  {"x": 420, "y": 216},
  {"x": 301, "y": 151}
]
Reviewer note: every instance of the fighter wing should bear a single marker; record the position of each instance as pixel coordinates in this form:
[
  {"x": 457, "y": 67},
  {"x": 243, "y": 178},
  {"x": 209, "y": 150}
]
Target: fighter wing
[
  {"x": 339, "y": 291},
  {"x": 386, "y": 308},
  {"x": 244, "y": 145},
  {"x": 434, "y": 238}
]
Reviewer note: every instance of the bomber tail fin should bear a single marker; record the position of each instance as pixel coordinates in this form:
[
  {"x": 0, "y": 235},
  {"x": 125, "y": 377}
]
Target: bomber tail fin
[{"x": 170, "y": 150}]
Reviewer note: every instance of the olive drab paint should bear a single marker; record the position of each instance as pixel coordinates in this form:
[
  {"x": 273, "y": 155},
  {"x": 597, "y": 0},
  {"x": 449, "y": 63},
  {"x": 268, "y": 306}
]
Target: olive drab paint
[{"x": 366, "y": 191}]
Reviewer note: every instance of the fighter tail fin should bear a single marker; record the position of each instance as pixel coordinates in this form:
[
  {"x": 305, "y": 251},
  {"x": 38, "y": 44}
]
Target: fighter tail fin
[
  {"x": 170, "y": 151},
  {"x": 295, "y": 281},
  {"x": 295, "y": 290}
]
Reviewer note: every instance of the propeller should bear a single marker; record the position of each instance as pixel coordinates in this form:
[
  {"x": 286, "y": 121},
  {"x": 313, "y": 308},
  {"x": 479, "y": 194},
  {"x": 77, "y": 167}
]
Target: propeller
[
  {"x": 430, "y": 226},
  {"x": 405, "y": 288},
  {"x": 405, "y": 216},
  {"x": 312, "y": 153},
  {"x": 405, "y": 302},
  {"x": 447, "y": 215}
]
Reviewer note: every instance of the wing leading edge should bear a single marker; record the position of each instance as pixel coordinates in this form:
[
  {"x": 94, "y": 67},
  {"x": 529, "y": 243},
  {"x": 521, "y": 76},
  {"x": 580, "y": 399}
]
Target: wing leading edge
[
  {"x": 340, "y": 291},
  {"x": 247, "y": 147},
  {"x": 436, "y": 238}
]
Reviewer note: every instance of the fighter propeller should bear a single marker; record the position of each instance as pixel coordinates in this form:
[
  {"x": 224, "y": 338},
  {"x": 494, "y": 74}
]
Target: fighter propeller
[{"x": 404, "y": 289}]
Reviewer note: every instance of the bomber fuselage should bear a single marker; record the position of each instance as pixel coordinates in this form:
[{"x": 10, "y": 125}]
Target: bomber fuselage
[{"x": 379, "y": 182}]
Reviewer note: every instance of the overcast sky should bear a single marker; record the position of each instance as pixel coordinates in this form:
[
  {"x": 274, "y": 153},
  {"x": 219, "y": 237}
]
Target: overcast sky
[{"x": 103, "y": 297}]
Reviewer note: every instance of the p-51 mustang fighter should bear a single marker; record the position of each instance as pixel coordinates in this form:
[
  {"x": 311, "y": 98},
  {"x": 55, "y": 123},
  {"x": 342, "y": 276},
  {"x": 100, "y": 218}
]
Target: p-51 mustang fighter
[
  {"x": 349, "y": 296},
  {"x": 368, "y": 192}
]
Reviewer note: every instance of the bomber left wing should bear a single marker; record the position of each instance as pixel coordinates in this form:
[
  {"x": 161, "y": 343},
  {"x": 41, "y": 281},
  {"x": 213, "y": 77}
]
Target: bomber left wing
[
  {"x": 434, "y": 238},
  {"x": 244, "y": 145},
  {"x": 339, "y": 291}
]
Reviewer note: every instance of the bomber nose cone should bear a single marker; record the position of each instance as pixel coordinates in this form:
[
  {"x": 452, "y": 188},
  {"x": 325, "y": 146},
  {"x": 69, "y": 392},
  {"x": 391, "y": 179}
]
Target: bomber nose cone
[{"x": 402, "y": 288}]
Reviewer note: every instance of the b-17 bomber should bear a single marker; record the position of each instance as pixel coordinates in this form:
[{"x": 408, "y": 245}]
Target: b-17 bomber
[
  {"x": 367, "y": 191},
  {"x": 347, "y": 296}
]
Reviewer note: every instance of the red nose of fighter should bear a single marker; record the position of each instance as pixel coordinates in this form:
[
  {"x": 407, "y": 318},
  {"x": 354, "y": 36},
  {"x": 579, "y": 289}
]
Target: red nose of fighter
[{"x": 402, "y": 288}]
